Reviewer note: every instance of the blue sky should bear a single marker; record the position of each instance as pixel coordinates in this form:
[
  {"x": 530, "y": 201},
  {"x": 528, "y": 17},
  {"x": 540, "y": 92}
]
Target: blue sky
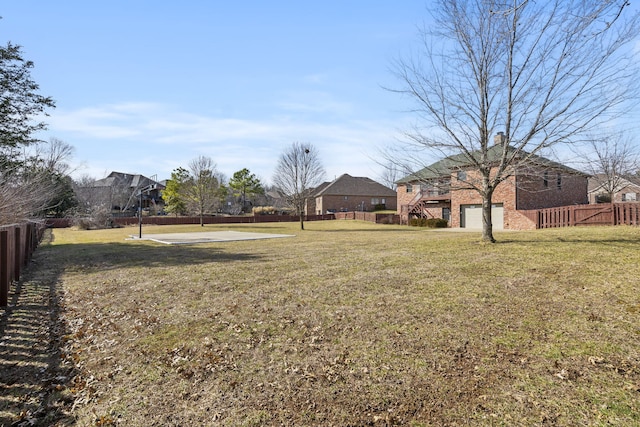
[{"x": 146, "y": 86}]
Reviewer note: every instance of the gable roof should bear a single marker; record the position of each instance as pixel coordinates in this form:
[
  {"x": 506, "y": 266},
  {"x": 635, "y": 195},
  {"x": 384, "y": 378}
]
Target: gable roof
[
  {"x": 598, "y": 181},
  {"x": 347, "y": 185},
  {"x": 125, "y": 179},
  {"x": 446, "y": 166}
]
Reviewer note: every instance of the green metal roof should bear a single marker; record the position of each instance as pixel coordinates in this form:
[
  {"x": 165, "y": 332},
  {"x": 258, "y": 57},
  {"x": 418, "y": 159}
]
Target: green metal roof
[{"x": 443, "y": 168}]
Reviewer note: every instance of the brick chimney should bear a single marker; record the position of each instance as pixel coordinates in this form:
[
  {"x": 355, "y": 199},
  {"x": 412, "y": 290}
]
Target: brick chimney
[{"x": 499, "y": 139}]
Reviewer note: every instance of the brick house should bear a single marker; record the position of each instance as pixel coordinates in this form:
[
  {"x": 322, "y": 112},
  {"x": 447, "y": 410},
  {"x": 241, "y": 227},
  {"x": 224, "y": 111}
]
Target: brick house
[
  {"x": 438, "y": 191},
  {"x": 350, "y": 193},
  {"x": 627, "y": 189}
]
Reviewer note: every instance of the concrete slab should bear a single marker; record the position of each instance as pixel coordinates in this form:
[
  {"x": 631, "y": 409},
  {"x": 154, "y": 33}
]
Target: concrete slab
[{"x": 207, "y": 237}]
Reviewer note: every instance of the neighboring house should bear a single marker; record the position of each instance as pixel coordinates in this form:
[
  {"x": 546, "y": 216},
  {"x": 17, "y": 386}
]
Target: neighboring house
[
  {"x": 272, "y": 197},
  {"x": 439, "y": 191},
  {"x": 121, "y": 191},
  {"x": 626, "y": 189},
  {"x": 350, "y": 193}
]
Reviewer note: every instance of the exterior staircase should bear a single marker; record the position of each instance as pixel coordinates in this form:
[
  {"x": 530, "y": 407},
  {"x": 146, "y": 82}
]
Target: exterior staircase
[{"x": 419, "y": 206}]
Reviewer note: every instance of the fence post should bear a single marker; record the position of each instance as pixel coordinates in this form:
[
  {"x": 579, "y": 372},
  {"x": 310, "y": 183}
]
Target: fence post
[
  {"x": 4, "y": 268},
  {"x": 29, "y": 246},
  {"x": 572, "y": 216},
  {"x": 17, "y": 252}
]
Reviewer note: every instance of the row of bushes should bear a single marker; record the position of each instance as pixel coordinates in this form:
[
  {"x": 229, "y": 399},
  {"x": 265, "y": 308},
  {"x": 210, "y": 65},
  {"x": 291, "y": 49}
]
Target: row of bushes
[{"x": 429, "y": 222}]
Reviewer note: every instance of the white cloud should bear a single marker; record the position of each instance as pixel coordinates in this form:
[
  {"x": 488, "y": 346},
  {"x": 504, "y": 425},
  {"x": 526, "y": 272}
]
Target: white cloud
[
  {"x": 158, "y": 138},
  {"x": 314, "y": 102}
]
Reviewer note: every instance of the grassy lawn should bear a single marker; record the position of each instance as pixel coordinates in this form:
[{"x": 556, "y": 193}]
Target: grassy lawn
[{"x": 352, "y": 324}]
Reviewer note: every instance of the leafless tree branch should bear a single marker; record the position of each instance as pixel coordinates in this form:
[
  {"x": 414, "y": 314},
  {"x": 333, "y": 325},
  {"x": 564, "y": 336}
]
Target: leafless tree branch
[{"x": 543, "y": 72}]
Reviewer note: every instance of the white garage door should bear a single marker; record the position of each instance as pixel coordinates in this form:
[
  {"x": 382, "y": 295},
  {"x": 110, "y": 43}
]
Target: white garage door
[{"x": 471, "y": 216}]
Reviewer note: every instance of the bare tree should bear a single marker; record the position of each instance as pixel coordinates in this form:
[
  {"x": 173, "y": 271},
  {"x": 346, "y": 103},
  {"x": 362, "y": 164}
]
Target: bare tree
[
  {"x": 542, "y": 72},
  {"x": 299, "y": 170},
  {"x": 86, "y": 194},
  {"x": 94, "y": 204},
  {"x": 22, "y": 196},
  {"x": 389, "y": 175},
  {"x": 611, "y": 161},
  {"x": 57, "y": 155},
  {"x": 35, "y": 182},
  {"x": 205, "y": 187}
]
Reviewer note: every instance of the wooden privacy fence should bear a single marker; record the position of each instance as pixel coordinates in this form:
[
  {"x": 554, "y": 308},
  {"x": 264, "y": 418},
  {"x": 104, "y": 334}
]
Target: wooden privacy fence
[
  {"x": 598, "y": 214},
  {"x": 17, "y": 243},
  {"x": 183, "y": 220},
  {"x": 378, "y": 218}
]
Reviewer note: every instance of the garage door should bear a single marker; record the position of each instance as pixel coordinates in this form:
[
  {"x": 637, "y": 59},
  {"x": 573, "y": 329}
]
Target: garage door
[{"x": 471, "y": 216}]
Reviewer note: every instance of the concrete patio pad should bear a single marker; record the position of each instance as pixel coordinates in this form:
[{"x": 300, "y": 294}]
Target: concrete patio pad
[{"x": 207, "y": 237}]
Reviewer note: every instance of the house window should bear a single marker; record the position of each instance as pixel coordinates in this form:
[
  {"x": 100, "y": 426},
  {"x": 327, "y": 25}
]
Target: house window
[
  {"x": 629, "y": 197},
  {"x": 409, "y": 188},
  {"x": 545, "y": 180},
  {"x": 446, "y": 214},
  {"x": 559, "y": 182},
  {"x": 346, "y": 197},
  {"x": 375, "y": 201},
  {"x": 383, "y": 201},
  {"x": 462, "y": 175}
]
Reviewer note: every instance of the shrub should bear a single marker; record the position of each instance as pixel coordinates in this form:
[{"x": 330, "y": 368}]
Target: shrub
[
  {"x": 429, "y": 222},
  {"x": 436, "y": 223},
  {"x": 416, "y": 222},
  {"x": 263, "y": 210},
  {"x": 96, "y": 218},
  {"x": 389, "y": 219}
]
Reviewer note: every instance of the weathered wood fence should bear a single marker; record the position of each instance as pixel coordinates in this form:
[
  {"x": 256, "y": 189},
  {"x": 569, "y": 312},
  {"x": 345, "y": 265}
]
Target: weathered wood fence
[
  {"x": 598, "y": 214},
  {"x": 378, "y": 218},
  {"x": 17, "y": 243},
  {"x": 182, "y": 220}
]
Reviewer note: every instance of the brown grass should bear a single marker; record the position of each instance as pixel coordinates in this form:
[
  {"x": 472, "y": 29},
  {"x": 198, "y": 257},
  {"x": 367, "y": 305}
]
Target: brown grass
[{"x": 353, "y": 324}]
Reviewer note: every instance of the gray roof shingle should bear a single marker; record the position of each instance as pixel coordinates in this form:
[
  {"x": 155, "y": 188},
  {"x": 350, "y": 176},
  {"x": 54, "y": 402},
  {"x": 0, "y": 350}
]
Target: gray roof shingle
[{"x": 353, "y": 186}]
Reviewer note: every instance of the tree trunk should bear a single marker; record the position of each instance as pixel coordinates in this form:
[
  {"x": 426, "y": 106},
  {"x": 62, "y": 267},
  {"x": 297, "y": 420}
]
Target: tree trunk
[
  {"x": 301, "y": 213},
  {"x": 487, "y": 226},
  {"x": 487, "y": 196}
]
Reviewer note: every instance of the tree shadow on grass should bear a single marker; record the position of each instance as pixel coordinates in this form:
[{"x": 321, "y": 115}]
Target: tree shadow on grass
[
  {"x": 557, "y": 241},
  {"x": 130, "y": 254},
  {"x": 374, "y": 228},
  {"x": 38, "y": 378},
  {"x": 35, "y": 378}
]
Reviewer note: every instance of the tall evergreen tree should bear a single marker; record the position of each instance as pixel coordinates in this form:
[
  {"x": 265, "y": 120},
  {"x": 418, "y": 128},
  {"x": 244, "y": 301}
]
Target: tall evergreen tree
[
  {"x": 245, "y": 184},
  {"x": 173, "y": 195},
  {"x": 21, "y": 106}
]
